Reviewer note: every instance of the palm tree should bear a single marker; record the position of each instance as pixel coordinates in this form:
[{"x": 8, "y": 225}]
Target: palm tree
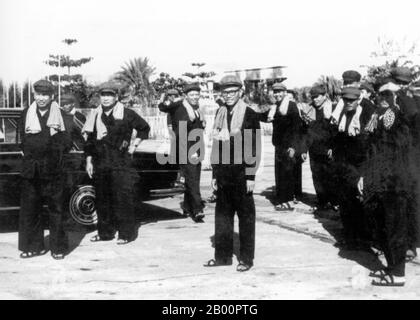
[
  {"x": 135, "y": 77},
  {"x": 332, "y": 85}
]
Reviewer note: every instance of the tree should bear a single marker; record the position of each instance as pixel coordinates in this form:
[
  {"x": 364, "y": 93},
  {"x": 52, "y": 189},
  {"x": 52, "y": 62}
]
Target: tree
[
  {"x": 332, "y": 85},
  {"x": 73, "y": 82},
  {"x": 135, "y": 78}
]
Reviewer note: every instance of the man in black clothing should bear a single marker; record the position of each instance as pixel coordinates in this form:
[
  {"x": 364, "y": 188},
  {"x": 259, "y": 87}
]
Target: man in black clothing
[
  {"x": 348, "y": 152},
  {"x": 287, "y": 140},
  {"x": 235, "y": 158},
  {"x": 188, "y": 127},
  {"x": 44, "y": 142},
  {"x": 108, "y": 148},
  {"x": 319, "y": 142},
  {"x": 73, "y": 120}
]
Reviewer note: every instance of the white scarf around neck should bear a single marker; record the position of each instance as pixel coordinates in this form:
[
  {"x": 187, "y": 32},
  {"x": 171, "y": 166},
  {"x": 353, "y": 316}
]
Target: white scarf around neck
[{"x": 55, "y": 121}]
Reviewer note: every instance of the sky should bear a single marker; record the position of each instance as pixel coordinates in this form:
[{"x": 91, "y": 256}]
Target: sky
[{"x": 311, "y": 38}]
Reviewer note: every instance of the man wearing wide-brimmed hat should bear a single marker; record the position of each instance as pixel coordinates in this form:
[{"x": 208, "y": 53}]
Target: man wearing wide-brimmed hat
[
  {"x": 108, "y": 147},
  {"x": 45, "y": 140},
  {"x": 188, "y": 128}
]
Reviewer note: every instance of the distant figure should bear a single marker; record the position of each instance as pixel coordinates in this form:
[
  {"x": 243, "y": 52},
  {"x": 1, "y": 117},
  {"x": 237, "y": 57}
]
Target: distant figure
[{"x": 73, "y": 119}]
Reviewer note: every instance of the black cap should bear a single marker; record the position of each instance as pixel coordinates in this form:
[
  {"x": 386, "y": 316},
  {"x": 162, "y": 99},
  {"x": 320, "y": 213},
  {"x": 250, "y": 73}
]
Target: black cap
[
  {"x": 44, "y": 87},
  {"x": 402, "y": 75},
  {"x": 351, "y": 76},
  {"x": 192, "y": 87},
  {"x": 351, "y": 93},
  {"x": 317, "y": 90},
  {"x": 230, "y": 81},
  {"x": 367, "y": 86},
  {"x": 69, "y": 98},
  {"x": 109, "y": 87}
]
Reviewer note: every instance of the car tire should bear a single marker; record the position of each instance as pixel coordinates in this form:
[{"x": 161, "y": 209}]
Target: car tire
[{"x": 82, "y": 206}]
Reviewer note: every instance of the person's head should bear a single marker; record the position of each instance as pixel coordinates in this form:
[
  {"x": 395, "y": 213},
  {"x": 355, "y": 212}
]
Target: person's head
[
  {"x": 172, "y": 94},
  {"x": 351, "y": 98},
  {"x": 68, "y": 102},
  {"x": 351, "y": 78},
  {"x": 366, "y": 90},
  {"x": 318, "y": 95},
  {"x": 230, "y": 86},
  {"x": 108, "y": 92},
  {"x": 43, "y": 93},
  {"x": 401, "y": 75},
  {"x": 279, "y": 91},
  {"x": 192, "y": 93},
  {"x": 386, "y": 97}
]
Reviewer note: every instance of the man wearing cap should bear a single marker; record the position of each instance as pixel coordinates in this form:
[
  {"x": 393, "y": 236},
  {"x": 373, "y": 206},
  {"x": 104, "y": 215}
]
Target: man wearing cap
[
  {"x": 287, "y": 140},
  {"x": 348, "y": 152},
  {"x": 109, "y": 129},
  {"x": 73, "y": 120},
  {"x": 318, "y": 140},
  {"x": 403, "y": 76},
  {"x": 235, "y": 157},
  {"x": 188, "y": 127},
  {"x": 386, "y": 185},
  {"x": 44, "y": 142},
  {"x": 351, "y": 78}
]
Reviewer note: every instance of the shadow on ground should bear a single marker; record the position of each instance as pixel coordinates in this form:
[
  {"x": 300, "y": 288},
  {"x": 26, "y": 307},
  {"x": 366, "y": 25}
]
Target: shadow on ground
[{"x": 236, "y": 245}]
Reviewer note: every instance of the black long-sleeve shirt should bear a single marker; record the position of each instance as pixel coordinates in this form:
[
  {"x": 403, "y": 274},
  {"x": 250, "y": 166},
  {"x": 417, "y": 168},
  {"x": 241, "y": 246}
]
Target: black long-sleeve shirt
[
  {"x": 110, "y": 151},
  {"x": 242, "y": 162}
]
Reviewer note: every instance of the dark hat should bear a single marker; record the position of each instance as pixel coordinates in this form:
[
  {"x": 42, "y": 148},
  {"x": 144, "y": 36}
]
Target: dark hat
[
  {"x": 172, "y": 92},
  {"x": 317, "y": 90},
  {"x": 367, "y": 86},
  {"x": 69, "y": 98},
  {"x": 230, "y": 81},
  {"x": 402, "y": 75},
  {"x": 351, "y": 76},
  {"x": 110, "y": 87},
  {"x": 350, "y": 93},
  {"x": 279, "y": 87},
  {"x": 192, "y": 87},
  {"x": 44, "y": 87}
]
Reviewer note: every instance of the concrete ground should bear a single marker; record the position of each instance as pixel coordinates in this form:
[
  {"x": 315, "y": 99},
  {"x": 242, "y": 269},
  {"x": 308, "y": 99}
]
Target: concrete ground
[{"x": 295, "y": 258}]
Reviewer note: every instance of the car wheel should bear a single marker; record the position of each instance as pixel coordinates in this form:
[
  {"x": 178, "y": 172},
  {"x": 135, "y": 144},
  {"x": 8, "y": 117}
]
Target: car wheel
[{"x": 82, "y": 205}]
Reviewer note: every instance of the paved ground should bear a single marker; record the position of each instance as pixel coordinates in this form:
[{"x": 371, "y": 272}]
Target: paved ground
[{"x": 295, "y": 259}]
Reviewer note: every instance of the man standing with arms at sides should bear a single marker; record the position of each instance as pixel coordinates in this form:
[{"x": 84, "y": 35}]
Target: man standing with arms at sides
[
  {"x": 187, "y": 120},
  {"x": 44, "y": 142},
  {"x": 287, "y": 140},
  {"x": 319, "y": 142},
  {"x": 235, "y": 158},
  {"x": 109, "y": 128}
]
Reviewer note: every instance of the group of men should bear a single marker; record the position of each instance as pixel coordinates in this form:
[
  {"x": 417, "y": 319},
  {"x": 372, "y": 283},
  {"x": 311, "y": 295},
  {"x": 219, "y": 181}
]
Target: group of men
[{"x": 362, "y": 155}]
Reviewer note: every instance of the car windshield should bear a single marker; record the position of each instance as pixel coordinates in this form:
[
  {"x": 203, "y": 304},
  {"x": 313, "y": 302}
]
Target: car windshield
[{"x": 8, "y": 130}]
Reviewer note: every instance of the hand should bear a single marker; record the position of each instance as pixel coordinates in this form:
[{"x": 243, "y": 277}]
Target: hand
[
  {"x": 214, "y": 184},
  {"x": 131, "y": 149},
  {"x": 89, "y": 168},
  {"x": 330, "y": 154},
  {"x": 304, "y": 156},
  {"x": 250, "y": 185},
  {"x": 291, "y": 152},
  {"x": 360, "y": 186},
  {"x": 124, "y": 145}
]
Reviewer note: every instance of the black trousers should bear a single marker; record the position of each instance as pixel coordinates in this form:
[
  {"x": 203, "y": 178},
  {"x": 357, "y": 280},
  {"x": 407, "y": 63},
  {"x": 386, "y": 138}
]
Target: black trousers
[
  {"x": 192, "y": 197},
  {"x": 322, "y": 178},
  {"x": 231, "y": 199},
  {"x": 115, "y": 203},
  {"x": 35, "y": 192},
  {"x": 298, "y": 179},
  {"x": 284, "y": 168},
  {"x": 391, "y": 220}
]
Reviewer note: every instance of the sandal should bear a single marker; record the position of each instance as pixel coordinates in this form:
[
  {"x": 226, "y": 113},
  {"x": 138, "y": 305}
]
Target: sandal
[
  {"x": 242, "y": 267},
  {"x": 32, "y": 254},
  {"x": 410, "y": 255},
  {"x": 123, "y": 241},
  {"x": 378, "y": 273},
  {"x": 58, "y": 256},
  {"x": 283, "y": 207},
  {"x": 387, "y": 280},
  {"x": 218, "y": 263},
  {"x": 97, "y": 238}
]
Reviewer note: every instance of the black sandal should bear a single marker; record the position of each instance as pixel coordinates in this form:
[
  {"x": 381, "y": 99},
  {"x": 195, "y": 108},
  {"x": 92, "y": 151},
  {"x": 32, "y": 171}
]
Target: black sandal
[
  {"x": 32, "y": 254},
  {"x": 58, "y": 256},
  {"x": 387, "y": 281},
  {"x": 242, "y": 267},
  {"x": 97, "y": 238},
  {"x": 378, "y": 273},
  {"x": 218, "y": 263},
  {"x": 123, "y": 241}
]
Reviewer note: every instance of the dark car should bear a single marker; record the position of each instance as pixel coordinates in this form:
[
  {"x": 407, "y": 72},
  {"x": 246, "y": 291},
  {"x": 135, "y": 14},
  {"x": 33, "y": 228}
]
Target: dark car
[{"x": 154, "y": 179}]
